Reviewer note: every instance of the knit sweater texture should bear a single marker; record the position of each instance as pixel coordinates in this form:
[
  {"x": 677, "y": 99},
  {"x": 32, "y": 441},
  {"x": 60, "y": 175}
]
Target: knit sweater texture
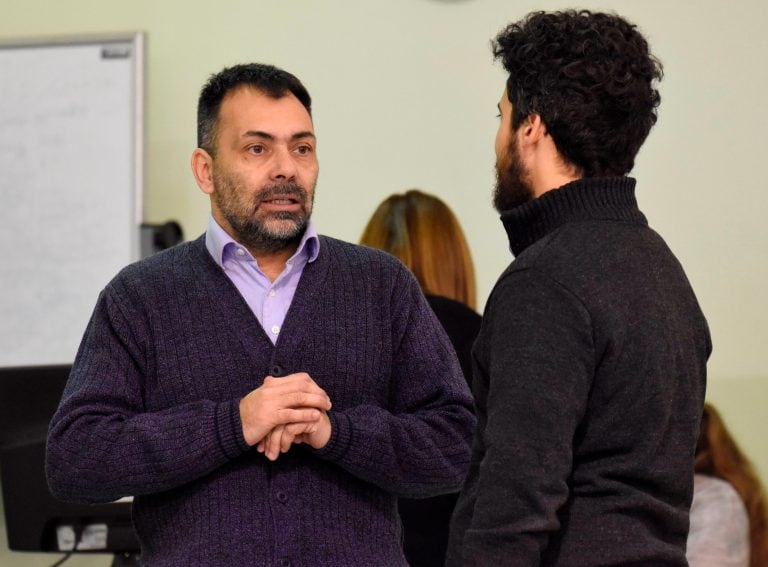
[
  {"x": 426, "y": 521},
  {"x": 589, "y": 379},
  {"x": 151, "y": 410}
]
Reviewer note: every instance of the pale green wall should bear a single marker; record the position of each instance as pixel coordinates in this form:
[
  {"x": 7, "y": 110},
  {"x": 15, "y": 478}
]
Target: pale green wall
[{"x": 405, "y": 95}]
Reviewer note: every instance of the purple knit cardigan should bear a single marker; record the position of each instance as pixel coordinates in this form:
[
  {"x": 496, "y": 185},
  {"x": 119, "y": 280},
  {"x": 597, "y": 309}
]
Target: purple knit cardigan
[{"x": 151, "y": 410}]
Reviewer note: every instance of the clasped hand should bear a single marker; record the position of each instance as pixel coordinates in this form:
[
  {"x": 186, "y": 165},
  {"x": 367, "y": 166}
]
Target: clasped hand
[{"x": 284, "y": 411}]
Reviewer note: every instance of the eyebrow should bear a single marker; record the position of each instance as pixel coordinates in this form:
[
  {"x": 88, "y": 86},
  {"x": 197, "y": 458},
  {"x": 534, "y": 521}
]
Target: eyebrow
[{"x": 268, "y": 136}]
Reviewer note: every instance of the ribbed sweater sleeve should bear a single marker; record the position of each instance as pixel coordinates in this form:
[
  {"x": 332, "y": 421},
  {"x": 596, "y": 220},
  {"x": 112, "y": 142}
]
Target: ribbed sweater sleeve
[
  {"x": 419, "y": 445},
  {"x": 104, "y": 443}
]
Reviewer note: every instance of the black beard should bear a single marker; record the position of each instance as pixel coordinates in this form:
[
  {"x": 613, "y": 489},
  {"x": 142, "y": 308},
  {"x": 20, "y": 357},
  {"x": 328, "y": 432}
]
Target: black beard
[
  {"x": 512, "y": 187},
  {"x": 254, "y": 233}
]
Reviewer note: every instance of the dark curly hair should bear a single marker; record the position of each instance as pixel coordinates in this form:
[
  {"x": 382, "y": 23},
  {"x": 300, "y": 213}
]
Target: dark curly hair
[
  {"x": 591, "y": 79},
  {"x": 272, "y": 81}
]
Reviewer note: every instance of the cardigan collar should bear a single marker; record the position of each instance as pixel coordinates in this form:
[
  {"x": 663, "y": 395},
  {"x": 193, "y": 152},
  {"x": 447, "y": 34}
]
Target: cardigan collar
[{"x": 594, "y": 198}]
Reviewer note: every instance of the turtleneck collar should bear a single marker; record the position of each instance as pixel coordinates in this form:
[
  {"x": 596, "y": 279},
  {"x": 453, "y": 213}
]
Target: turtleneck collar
[{"x": 593, "y": 198}]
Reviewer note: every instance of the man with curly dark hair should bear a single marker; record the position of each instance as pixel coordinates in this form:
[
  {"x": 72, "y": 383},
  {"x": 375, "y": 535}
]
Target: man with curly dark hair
[{"x": 590, "y": 367}]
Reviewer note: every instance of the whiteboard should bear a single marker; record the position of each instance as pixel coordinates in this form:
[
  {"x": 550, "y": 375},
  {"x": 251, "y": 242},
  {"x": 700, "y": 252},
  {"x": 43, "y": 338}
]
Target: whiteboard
[{"x": 71, "y": 173}]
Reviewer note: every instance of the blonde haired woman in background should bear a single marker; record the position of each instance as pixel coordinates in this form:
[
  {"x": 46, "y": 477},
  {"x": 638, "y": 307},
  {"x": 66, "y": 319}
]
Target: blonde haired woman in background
[
  {"x": 729, "y": 526},
  {"x": 422, "y": 231}
]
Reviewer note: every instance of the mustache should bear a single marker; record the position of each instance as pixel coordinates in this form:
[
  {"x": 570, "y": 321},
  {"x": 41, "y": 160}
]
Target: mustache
[{"x": 290, "y": 189}]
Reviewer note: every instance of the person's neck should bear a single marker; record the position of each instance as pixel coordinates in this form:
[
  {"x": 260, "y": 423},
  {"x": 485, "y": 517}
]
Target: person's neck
[
  {"x": 549, "y": 170},
  {"x": 552, "y": 183},
  {"x": 272, "y": 264},
  {"x": 271, "y": 260}
]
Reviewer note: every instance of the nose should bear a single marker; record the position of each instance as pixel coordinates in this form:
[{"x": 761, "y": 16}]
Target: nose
[{"x": 283, "y": 165}]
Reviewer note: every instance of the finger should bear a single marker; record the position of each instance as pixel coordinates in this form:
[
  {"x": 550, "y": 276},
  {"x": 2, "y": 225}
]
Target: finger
[
  {"x": 302, "y": 415},
  {"x": 299, "y": 429},
  {"x": 308, "y": 399},
  {"x": 273, "y": 443},
  {"x": 300, "y": 382},
  {"x": 286, "y": 440},
  {"x": 286, "y": 396},
  {"x": 299, "y": 379},
  {"x": 299, "y": 439}
]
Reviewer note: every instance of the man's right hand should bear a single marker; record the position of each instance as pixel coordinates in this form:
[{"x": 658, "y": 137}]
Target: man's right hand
[{"x": 295, "y": 398}]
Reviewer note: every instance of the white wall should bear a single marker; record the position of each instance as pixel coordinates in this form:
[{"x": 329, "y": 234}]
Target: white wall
[{"x": 405, "y": 95}]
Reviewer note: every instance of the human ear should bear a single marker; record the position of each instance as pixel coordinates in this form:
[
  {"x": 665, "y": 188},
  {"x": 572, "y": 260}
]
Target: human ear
[
  {"x": 202, "y": 169},
  {"x": 533, "y": 129}
]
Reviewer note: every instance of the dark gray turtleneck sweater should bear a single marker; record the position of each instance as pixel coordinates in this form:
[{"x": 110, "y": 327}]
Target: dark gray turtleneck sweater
[{"x": 589, "y": 379}]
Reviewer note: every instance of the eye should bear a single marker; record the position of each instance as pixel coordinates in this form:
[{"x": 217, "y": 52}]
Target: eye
[
  {"x": 304, "y": 149},
  {"x": 256, "y": 149}
]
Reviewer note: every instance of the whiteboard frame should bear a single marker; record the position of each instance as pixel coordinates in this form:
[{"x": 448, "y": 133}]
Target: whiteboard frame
[{"x": 136, "y": 39}]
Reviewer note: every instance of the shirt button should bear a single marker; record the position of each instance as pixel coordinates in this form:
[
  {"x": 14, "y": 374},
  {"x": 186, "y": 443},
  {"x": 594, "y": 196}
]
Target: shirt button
[
  {"x": 240, "y": 252},
  {"x": 272, "y": 293},
  {"x": 275, "y": 329},
  {"x": 282, "y": 497}
]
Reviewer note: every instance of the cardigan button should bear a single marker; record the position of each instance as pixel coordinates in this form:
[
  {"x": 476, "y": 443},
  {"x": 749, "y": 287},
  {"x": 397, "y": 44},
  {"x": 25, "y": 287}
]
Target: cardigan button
[
  {"x": 282, "y": 497},
  {"x": 276, "y": 371},
  {"x": 285, "y": 562}
]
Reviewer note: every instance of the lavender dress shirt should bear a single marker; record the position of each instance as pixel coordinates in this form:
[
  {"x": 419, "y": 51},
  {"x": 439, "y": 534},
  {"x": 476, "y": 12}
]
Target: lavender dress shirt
[{"x": 268, "y": 300}]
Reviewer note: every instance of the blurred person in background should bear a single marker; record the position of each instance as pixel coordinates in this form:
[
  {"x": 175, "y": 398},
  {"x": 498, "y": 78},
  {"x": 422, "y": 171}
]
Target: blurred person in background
[
  {"x": 422, "y": 231},
  {"x": 729, "y": 525}
]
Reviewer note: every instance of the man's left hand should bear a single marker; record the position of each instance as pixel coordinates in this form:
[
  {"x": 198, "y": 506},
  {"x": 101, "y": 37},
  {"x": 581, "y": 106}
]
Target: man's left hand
[{"x": 279, "y": 440}]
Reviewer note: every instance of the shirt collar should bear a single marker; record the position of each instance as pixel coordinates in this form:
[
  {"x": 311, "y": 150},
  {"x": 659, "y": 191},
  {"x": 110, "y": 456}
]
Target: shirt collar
[{"x": 217, "y": 241}]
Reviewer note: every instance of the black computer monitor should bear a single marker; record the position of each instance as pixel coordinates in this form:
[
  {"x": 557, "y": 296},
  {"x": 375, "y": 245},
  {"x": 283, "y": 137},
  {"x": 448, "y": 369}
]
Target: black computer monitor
[{"x": 35, "y": 520}]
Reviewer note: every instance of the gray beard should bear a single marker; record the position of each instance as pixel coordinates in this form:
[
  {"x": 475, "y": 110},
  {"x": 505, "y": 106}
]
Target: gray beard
[{"x": 257, "y": 234}]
